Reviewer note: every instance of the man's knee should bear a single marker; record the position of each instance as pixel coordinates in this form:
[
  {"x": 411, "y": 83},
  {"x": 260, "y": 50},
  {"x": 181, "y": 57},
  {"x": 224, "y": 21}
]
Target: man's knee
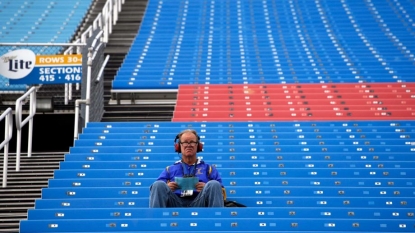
[
  {"x": 213, "y": 184},
  {"x": 158, "y": 185}
]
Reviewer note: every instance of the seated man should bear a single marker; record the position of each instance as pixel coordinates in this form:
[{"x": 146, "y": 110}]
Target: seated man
[{"x": 201, "y": 182}]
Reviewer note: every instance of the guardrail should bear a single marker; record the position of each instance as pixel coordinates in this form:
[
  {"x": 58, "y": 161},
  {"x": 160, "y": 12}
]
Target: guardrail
[
  {"x": 104, "y": 22},
  {"x": 8, "y": 133},
  {"x": 19, "y": 123},
  {"x": 78, "y": 103}
]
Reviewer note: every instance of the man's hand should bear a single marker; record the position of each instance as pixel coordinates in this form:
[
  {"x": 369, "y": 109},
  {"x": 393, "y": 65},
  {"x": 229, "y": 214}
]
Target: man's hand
[
  {"x": 173, "y": 186},
  {"x": 200, "y": 186}
]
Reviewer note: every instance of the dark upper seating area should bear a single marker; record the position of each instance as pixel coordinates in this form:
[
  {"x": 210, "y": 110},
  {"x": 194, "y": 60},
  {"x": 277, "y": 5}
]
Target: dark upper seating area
[{"x": 40, "y": 21}]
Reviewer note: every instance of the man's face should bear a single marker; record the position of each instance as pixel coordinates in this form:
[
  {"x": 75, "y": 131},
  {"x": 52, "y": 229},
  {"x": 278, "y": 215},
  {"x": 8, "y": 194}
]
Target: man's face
[{"x": 188, "y": 144}]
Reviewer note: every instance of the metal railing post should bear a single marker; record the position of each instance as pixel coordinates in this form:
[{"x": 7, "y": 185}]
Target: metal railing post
[
  {"x": 77, "y": 104},
  {"x": 20, "y": 123},
  {"x": 88, "y": 84},
  {"x": 8, "y": 133},
  {"x": 32, "y": 113}
]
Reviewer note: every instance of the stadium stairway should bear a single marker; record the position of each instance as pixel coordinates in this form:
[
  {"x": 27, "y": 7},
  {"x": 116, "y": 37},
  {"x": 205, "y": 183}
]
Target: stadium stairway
[
  {"x": 121, "y": 38},
  {"x": 24, "y": 186},
  {"x": 308, "y": 176},
  {"x": 131, "y": 106}
]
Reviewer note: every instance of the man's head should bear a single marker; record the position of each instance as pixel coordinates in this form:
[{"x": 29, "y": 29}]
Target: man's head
[{"x": 188, "y": 143}]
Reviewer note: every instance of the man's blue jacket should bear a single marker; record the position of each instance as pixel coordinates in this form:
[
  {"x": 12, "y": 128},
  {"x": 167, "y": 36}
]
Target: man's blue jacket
[{"x": 203, "y": 171}]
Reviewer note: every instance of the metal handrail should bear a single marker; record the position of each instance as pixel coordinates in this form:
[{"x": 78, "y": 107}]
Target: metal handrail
[
  {"x": 88, "y": 94},
  {"x": 110, "y": 16},
  {"x": 101, "y": 71},
  {"x": 20, "y": 123},
  {"x": 78, "y": 102},
  {"x": 8, "y": 134},
  {"x": 102, "y": 36}
]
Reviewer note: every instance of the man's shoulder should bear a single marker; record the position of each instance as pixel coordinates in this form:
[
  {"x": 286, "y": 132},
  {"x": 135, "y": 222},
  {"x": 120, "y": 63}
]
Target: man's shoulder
[
  {"x": 199, "y": 161},
  {"x": 178, "y": 165},
  {"x": 177, "y": 162}
]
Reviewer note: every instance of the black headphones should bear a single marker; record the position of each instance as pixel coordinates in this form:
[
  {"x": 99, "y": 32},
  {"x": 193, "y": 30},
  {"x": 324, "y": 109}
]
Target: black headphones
[{"x": 177, "y": 147}]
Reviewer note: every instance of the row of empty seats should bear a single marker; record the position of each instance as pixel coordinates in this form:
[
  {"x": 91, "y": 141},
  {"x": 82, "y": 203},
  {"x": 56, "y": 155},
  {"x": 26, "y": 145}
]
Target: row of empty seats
[
  {"x": 251, "y": 42},
  {"x": 265, "y": 102},
  {"x": 36, "y": 22},
  {"x": 107, "y": 174}
]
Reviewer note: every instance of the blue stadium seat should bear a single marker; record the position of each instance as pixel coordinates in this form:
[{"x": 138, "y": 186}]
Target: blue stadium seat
[
  {"x": 244, "y": 172},
  {"x": 88, "y": 165},
  {"x": 222, "y": 224},
  {"x": 293, "y": 202},
  {"x": 237, "y": 181}
]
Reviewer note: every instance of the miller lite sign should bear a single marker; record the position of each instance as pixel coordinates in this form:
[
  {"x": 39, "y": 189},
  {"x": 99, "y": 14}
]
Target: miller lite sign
[
  {"x": 24, "y": 67},
  {"x": 17, "y": 64}
]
